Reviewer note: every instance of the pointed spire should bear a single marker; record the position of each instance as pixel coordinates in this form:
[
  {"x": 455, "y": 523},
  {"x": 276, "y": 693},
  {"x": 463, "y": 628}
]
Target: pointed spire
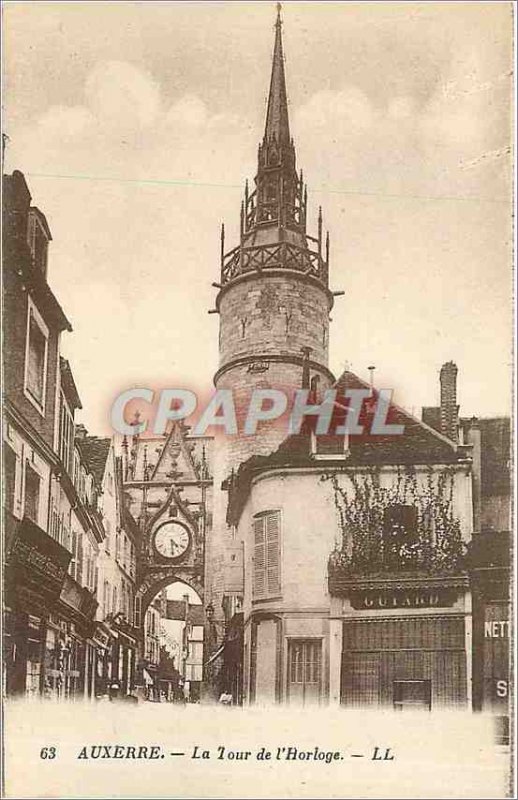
[{"x": 277, "y": 124}]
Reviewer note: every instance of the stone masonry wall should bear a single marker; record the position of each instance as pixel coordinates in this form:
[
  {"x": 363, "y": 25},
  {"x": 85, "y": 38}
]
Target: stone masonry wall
[{"x": 274, "y": 314}]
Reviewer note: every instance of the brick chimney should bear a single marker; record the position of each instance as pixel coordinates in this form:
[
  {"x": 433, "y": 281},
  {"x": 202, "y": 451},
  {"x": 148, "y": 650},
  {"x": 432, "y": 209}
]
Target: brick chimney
[{"x": 449, "y": 407}]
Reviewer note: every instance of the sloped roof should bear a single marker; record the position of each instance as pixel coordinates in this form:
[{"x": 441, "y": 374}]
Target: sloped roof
[
  {"x": 68, "y": 383},
  {"x": 176, "y": 610},
  {"x": 418, "y": 445},
  {"x": 94, "y": 451}
]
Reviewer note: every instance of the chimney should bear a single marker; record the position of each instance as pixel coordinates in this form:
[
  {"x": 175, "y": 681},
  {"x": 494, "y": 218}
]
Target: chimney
[
  {"x": 81, "y": 432},
  {"x": 449, "y": 407}
]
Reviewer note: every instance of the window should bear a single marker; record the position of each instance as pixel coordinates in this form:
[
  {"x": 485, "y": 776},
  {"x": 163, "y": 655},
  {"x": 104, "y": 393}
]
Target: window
[
  {"x": 73, "y": 550},
  {"x": 9, "y": 477},
  {"x": 106, "y": 598},
  {"x": 266, "y": 559},
  {"x": 38, "y": 242},
  {"x": 36, "y": 358},
  {"x": 304, "y": 670},
  {"x": 66, "y": 435},
  {"x": 133, "y": 560},
  {"x": 400, "y": 536},
  {"x": 114, "y": 602},
  {"x": 32, "y": 493},
  {"x": 107, "y": 540},
  {"x": 118, "y": 547},
  {"x": 123, "y": 598},
  {"x": 129, "y": 615},
  {"x": 79, "y": 563}
]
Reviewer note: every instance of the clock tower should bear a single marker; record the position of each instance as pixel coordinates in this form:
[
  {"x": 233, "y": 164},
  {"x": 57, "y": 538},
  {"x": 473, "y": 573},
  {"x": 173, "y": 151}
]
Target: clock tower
[
  {"x": 273, "y": 302},
  {"x": 274, "y": 299}
]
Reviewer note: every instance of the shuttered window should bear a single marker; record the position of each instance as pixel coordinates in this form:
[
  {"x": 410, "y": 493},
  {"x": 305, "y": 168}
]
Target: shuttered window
[{"x": 267, "y": 560}]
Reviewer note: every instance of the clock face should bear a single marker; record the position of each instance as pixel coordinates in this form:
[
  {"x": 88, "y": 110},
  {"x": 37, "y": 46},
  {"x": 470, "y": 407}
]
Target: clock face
[{"x": 172, "y": 540}]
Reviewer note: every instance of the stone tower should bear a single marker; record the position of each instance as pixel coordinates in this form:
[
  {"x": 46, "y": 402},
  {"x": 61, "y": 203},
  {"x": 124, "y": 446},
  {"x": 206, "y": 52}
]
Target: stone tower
[
  {"x": 273, "y": 298},
  {"x": 274, "y": 305}
]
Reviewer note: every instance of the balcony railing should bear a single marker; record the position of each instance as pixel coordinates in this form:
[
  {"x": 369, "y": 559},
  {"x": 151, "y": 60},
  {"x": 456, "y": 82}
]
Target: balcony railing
[{"x": 282, "y": 255}]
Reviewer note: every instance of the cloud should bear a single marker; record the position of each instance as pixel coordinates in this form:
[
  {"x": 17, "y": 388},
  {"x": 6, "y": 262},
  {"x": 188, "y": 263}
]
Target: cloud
[
  {"x": 121, "y": 95},
  {"x": 189, "y": 111},
  {"x": 67, "y": 122}
]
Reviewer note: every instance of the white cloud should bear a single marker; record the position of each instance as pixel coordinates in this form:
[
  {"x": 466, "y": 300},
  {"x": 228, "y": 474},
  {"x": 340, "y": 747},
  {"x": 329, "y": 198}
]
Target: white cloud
[{"x": 121, "y": 95}]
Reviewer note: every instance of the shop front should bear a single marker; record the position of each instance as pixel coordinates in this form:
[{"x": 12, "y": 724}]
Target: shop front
[
  {"x": 122, "y": 660},
  {"x": 101, "y": 641},
  {"x": 70, "y": 653},
  {"x": 491, "y": 570},
  {"x": 35, "y": 572},
  {"x": 406, "y": 645}
]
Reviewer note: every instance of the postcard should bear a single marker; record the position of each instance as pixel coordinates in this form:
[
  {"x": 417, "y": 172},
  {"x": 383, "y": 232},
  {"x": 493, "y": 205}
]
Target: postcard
[{"x": 257, "y": 413}]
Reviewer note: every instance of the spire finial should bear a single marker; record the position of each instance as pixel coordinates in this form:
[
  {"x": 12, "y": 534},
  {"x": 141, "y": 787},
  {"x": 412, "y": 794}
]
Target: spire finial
[{"x": 277, "y": 114}]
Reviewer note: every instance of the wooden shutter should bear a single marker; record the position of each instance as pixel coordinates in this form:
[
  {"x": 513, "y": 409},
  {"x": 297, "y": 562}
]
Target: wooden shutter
[
  {"x": 259, "y": 557},
  {"x": 272, "y": 553},
  {"x": 266, "y": 531}
]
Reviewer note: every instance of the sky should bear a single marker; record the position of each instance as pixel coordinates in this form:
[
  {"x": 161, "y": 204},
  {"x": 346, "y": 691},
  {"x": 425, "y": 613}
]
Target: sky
[{"x": 136, "y": 125}]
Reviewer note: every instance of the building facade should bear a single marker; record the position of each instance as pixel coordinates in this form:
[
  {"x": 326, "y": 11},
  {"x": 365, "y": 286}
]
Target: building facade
[
  {"x": 273, "y": 303},
  {"x": 347, "y": 569},
  {"x": 52, "y": 530}
]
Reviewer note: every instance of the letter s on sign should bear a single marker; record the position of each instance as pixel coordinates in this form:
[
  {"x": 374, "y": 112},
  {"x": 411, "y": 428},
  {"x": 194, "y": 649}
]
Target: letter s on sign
[{"x": 501, "y": 688}]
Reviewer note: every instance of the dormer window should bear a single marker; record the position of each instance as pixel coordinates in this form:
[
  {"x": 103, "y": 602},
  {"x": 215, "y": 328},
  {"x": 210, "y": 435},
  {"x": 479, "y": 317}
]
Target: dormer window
[{"x": 38, "y": 237}]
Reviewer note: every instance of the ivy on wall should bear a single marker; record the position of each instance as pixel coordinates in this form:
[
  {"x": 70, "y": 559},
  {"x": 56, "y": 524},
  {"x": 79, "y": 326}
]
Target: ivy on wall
[{"x": 434, "y": 547}]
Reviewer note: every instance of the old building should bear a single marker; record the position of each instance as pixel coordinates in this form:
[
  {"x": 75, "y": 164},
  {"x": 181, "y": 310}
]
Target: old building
[
  {"x": 52, "y": 532},
  {"x": 350, "y": 568},
  {"x": 273, "y": 302},
  {"x": 166, "y": 489},
  {"x": 347, "y": 565},
  {"x": 379, "y": 545},
  {"x": 152, "y": 643},
  {"x": 117, "y": 568},
  {"x": 490, "y": 556}
]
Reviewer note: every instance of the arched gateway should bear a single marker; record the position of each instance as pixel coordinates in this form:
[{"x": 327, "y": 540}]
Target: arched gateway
[{"x": 167, "y": 498}]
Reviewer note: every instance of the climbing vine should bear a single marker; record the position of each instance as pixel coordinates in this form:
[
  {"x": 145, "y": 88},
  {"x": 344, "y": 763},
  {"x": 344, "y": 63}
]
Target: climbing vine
[{"x": 431, "y": 544}]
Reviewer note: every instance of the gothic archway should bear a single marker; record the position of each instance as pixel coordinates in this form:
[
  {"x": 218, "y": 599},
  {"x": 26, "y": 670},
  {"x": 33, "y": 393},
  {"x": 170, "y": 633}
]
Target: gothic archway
[{"x": 157, "y": 579}]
